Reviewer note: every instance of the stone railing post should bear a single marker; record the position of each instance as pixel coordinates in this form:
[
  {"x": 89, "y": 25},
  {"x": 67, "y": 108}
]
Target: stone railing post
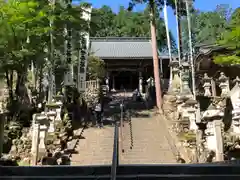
[
  {"x": 44, "y": 125},
  {"x": 2, "y": 122},
  {"x": 217, "y": 127},
  {"x": 35, "y": 140}
]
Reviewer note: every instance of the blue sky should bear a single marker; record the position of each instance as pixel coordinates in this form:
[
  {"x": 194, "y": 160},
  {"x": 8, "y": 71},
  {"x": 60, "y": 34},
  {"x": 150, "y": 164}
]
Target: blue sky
[{"x": 203, "y": 5}]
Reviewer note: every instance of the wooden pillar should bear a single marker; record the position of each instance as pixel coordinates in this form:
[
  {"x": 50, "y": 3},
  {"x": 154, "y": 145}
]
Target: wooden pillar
[
  {"x": 140, "y": 81},
  {"x": 113, "y": 84}
]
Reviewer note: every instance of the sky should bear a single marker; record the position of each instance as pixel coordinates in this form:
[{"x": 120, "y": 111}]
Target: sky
[{"x": 202, "y": 5}]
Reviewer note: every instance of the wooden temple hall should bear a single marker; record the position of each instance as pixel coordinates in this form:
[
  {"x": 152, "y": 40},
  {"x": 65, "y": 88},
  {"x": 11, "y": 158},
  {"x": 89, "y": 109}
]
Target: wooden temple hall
[{"x": 128, "y": 61}]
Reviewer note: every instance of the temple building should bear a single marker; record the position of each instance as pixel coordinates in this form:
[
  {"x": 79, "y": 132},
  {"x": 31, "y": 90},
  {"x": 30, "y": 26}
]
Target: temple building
[{"x": 128, "y": 61}]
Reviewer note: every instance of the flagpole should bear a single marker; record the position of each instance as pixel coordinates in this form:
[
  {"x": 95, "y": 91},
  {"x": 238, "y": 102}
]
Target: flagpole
[
  {"x": 178, "y": 35},
  {"x": 179, "y": 49},
  {"x": 167, "y": 30},
  {"x": 191, "y": 48},
  {"x": 168, "y": 41}
]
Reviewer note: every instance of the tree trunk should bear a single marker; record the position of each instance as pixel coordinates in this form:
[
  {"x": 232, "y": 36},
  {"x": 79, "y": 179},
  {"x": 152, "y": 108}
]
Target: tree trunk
[
  {"x": 9, "y": 78},
  {"x": 21, "y": 89},
  {"x": 155, "y": 56}
]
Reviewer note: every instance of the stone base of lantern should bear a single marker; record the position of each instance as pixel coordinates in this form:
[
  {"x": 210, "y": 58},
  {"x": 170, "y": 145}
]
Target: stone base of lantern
[
  {"x": 51, "y": 127},
  {"x": 169, "y": 106}
]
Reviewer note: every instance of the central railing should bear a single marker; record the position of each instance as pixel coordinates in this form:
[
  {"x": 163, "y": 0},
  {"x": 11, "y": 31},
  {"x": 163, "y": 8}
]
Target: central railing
[{"x": 115, "y": 157}]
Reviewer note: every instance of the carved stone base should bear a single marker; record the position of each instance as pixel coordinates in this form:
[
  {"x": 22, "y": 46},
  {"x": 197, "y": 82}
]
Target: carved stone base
[{"x": 169, "y": 106}]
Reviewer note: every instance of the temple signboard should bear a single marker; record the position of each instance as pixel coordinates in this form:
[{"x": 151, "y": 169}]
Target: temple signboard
[
  {"x": 83, "y": 55},
  {"x": 84, "y": 44}
]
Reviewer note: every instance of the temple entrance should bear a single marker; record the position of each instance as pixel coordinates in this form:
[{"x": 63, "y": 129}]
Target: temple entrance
[{"x": 127, "y": 80}]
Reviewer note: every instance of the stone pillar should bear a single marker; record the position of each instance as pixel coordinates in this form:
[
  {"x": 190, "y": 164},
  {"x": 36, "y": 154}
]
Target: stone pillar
[
  {"x": 35, "y": 143},
  {"x": 213, "y": 116},
  {"x": 218, "y": 139},
  {"x": 210, "y": 139},
  {"x": 2, "y": 122},
  {"x": 235, "y": 100},
  {"x": 107, "y": 81},
  {"x": 42, "y": 137},
  {"x": 140, "y": 81},
  {"x": 44, "y": 125},
  {"x": 113, "y": 84}
]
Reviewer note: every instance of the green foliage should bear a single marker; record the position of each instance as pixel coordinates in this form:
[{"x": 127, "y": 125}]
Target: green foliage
[
  {"x": 231, "y": 40},
  {"x": 127, "y": 24},
  {"x": 96, "y": 68},
  {"x": 206, "y": 27}
]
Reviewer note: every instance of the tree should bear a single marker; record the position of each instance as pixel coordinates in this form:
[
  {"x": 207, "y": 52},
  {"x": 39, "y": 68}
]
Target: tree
[
  {"x": 152, "y": 7},
  {"x": 24, "y": 36},
  {"x": 96, "y": 68},
  {"x": 207, "y": 27},
  {"x": 231, "y": 40},
  {"x": 127, "y": 24}
]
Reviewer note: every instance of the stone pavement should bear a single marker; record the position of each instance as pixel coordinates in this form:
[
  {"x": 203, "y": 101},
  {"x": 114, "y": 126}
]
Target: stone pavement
[
  {"x": 150, "y": 142},
  {"x": 96, "y": 148}
]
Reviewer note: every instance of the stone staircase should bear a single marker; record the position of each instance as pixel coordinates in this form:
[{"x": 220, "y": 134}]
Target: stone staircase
[
  {"x": 96, "y": 148},
  {"x": 150, "y": 142}
]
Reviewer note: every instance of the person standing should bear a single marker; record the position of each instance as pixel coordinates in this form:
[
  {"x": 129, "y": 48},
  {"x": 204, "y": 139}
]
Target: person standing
[{"x": 98, "y": 113}]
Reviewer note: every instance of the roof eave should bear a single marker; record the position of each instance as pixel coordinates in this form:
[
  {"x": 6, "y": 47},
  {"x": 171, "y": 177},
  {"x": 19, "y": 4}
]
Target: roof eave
[
  {"x": 125, "y": 57},
  {"x": 160, "y": 57}
]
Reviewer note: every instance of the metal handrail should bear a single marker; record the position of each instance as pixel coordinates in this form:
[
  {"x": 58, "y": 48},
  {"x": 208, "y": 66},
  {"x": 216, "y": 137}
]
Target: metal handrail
[{"x": 115, "y": 157}]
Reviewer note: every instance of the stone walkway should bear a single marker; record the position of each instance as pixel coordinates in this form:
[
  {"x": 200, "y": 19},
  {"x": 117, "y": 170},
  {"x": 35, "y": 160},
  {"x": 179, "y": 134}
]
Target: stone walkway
[
  {"x": 96, "y": 148},
  {"x": 151, "y": 143}
]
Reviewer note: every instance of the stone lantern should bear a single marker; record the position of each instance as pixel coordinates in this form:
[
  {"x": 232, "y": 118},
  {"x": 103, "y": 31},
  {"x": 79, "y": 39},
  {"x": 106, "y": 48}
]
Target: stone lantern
[
  {"x": 213, "y": 116},
  {"x": 207, "y": 85},
  {"x": 185, "y": 79},
  {"x": 223, "y": 84},
  {"x": 174, "y": 85},
  {"x": 191, "y": 109},
  {"x": 235, "y": 100}
]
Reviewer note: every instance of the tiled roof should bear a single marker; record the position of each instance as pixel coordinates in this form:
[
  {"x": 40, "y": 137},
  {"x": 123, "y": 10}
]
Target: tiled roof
[{"x": 122, "y": 48}]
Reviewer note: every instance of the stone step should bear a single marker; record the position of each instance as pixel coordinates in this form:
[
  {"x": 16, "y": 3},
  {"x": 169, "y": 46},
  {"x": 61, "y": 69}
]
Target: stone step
[
  {"x": 150, "y": 145},
  {"x": 96, "y": 148}
]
